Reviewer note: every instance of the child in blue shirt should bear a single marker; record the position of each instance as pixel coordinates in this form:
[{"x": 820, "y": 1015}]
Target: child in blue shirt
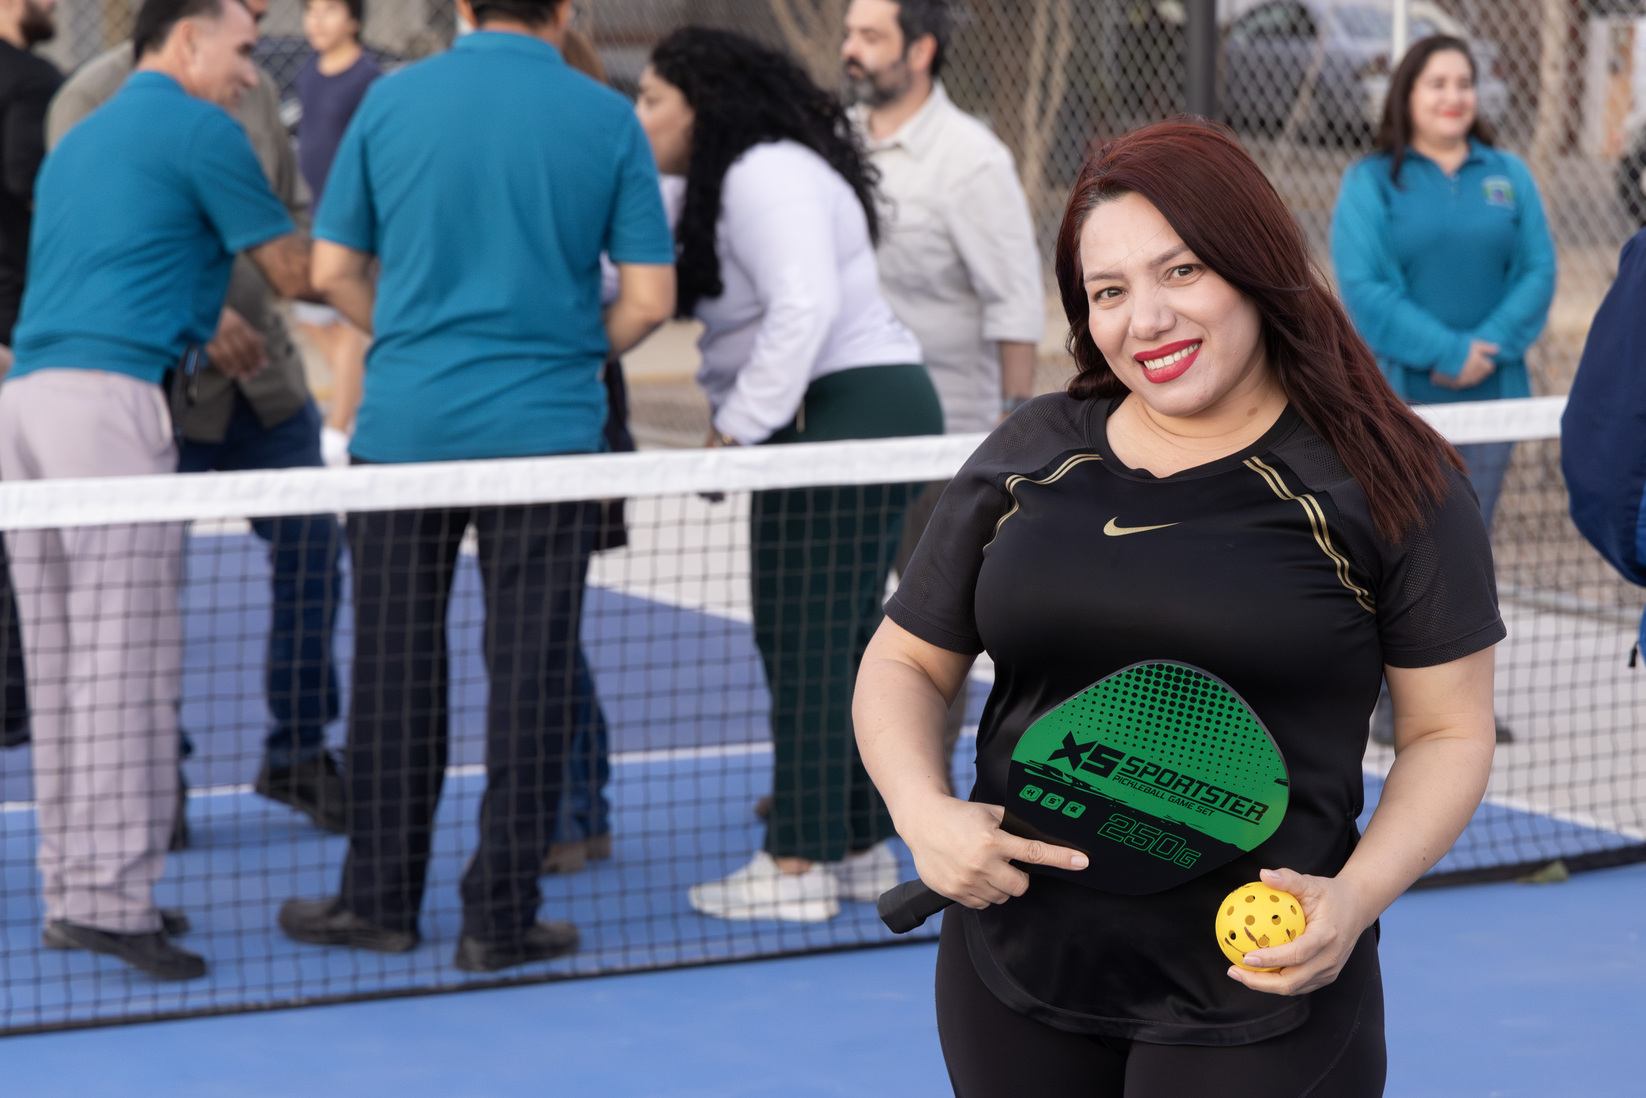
[{"x": 330, "y": 87}]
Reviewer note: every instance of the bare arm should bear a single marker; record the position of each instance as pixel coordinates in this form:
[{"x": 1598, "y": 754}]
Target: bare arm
[
  {"x": 904, "y": 689},
  {"x": 345, "y": 279},
  {"x": 1016, "y": 370},
  {"x": 1444, "y": 739},
  {"x": 645, "y": 299},
  {"x": 348, "y": 377},
  {"x": 284, "y": 261}
]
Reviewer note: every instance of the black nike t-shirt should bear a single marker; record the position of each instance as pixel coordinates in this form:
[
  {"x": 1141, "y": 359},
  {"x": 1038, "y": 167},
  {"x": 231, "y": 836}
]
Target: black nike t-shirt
[{"x": 1263, "y": 568}]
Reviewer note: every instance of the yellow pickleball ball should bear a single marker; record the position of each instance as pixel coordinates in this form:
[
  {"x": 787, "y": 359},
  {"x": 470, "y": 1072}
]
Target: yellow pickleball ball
[{"x": 1254, "y": 916}]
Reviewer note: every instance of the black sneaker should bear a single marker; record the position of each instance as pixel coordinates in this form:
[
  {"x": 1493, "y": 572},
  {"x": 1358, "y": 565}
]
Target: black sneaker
[
  {"x": 314, "y": 788},
  {"x": 172, "y": 921},
  {"x": 543, "y": 941},
  {"x": 152, "y": 953},
  {"x": 328, "y": 922}
]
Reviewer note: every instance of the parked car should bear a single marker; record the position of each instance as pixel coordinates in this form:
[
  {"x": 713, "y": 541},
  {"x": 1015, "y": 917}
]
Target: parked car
[{"x": 1270, "y": 50}]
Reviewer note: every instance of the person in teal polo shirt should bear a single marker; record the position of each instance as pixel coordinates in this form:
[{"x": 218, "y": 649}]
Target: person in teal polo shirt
[
  {"x": 486, "y": 182},
  {"x": 139, "y": 213},
  {"x": 1442, "y": 251},
  {"x": 1444, "y": 259}
]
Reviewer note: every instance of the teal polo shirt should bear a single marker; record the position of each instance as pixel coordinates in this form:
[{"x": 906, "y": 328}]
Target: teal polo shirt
[
  {"x": 1431, "y": 261},
  {"x": 488, "y": 180},
  {"x": 139, "y": 212}
]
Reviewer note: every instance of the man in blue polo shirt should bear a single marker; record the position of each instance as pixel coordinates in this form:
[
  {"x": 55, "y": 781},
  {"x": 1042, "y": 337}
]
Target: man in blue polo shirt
[
  {"x": 487, "y": 181},
  {"x": 139, "y": 213}
]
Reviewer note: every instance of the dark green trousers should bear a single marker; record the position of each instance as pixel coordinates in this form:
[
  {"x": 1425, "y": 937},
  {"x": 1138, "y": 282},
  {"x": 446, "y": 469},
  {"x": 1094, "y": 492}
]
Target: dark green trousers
[{"x": 820, "y": 557}]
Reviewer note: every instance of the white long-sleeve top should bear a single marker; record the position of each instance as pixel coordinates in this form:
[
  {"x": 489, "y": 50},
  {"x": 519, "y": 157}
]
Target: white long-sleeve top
[{"x": 802, "y": 293}]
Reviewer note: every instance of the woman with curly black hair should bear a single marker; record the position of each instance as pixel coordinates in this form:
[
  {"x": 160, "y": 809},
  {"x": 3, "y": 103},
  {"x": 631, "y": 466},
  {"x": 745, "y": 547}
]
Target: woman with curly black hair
[{"x": 776, "y": 258}]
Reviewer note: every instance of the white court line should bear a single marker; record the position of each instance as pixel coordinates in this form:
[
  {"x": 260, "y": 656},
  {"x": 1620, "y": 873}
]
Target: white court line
[{"x": 473, "y": 770}]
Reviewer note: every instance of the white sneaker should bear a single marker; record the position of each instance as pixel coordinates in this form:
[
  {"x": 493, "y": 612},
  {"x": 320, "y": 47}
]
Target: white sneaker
[
  {"x": 762, "y": 891},
  {"x": 865, "y": 875}
]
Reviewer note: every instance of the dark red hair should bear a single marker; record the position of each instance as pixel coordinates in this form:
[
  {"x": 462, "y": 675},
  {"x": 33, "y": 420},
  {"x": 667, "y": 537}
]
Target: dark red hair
[{"x": 1227, "y": 212}]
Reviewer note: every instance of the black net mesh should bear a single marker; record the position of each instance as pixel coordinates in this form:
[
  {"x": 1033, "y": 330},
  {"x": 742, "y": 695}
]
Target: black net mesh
[{"x": 502, "y": 716}]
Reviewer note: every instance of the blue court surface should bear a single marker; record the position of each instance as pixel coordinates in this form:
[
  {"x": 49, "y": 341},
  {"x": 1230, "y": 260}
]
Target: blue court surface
[{"x": 1497, "y": 991}]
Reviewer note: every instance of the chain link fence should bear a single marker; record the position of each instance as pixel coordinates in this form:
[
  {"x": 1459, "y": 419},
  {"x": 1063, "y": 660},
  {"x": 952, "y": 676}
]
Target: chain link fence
[{"x": 1303, "y": 81}]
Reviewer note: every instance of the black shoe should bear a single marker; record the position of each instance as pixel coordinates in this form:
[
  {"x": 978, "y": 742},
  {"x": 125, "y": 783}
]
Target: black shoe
[
  {"x": 327, "y": 922},
  {"x": 314, "y": 788},
  {"x": 152, "y": 953},
  {"x": 180, "y": 821},
  {"x": 543, "y": 941},
  {"x": 172, "y": 921}
]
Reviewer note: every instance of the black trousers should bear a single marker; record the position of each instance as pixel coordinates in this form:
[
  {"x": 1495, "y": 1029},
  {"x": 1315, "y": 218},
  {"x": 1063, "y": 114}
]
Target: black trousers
[
  {"x": 533, "y": 564},
  {"x": 994, "y": 1052},
  {"x": 14, "y": 698}
]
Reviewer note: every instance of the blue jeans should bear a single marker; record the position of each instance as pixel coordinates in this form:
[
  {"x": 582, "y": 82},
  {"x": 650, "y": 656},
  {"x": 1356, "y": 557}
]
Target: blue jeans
[
  {"x": 585, "y": 811},
  {"x": 1487, "y": 462},
  {"x": 306, "y": 586}
]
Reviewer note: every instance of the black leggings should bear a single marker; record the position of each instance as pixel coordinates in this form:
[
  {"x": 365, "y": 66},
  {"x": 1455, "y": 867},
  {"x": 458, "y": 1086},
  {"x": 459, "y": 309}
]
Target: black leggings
[{"x": 994, "y": 1052}]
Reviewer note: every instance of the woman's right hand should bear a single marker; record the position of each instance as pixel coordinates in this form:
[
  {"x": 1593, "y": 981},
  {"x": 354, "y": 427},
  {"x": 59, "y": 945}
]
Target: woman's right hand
[
  {"x": 1476, "y": 368},
  {"x": 960, "y": 851}
]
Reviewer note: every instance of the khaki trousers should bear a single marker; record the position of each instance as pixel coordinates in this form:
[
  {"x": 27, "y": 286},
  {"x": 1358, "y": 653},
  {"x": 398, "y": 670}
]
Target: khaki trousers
[{"x": 102, "y": 640}]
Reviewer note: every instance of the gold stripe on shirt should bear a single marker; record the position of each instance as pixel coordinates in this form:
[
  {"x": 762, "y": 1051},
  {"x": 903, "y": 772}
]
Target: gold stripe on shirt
[
  {"x": 1317, "y": 523},
  {"x": 1017, "y": 478}
]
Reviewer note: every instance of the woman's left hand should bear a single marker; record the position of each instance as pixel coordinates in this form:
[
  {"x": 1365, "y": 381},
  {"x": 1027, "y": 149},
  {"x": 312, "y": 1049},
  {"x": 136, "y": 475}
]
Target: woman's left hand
[{"x": 1335, "y": 916}]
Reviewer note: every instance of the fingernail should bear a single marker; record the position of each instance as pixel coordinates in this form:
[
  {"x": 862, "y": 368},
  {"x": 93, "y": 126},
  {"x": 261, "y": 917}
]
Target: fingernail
[{"x": 1079, "y": 861}]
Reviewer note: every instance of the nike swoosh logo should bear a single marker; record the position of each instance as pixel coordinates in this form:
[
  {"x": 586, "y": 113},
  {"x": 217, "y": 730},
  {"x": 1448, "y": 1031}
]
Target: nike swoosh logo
[{"x": 1115, "y": 531}]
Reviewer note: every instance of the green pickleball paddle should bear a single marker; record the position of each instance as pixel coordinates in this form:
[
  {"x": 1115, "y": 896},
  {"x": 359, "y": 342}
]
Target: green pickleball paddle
[{"x": 1158, "y": 773}]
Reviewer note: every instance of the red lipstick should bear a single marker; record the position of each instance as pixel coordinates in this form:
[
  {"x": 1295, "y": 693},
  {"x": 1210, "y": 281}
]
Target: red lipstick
[{"x": 1175, "y": 370}]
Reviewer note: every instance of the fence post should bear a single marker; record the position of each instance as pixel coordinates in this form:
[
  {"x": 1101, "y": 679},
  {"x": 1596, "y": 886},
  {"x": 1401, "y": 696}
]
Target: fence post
[
  {"x": 1201, "y": 35},
  {"x": 1400, "y": 31}
]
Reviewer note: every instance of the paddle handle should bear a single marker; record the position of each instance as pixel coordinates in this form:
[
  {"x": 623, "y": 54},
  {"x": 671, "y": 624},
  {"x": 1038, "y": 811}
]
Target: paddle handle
[{"x": 909, "y": 904}]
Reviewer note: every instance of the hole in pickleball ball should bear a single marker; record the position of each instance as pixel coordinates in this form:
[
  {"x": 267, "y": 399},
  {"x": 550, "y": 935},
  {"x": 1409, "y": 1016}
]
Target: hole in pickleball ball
[
  {"x": 1250, "y": 919},
  {"x": 1230, "y": 911},
  {"x": 1249, "y": 899},
  {"x": 1274, "y": 918}
]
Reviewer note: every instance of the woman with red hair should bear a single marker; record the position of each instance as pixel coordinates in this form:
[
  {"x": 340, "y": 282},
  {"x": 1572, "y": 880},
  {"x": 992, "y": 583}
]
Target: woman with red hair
[{"x": 1228, "y": 482}]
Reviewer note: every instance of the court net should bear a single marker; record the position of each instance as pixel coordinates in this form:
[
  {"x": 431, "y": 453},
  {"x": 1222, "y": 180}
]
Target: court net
[{"x": 664, "y": 722}]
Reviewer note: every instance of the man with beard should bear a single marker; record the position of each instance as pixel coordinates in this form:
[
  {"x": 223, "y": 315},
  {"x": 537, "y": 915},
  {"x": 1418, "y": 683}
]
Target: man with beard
[
  {"x": 957, "y": 254},
  {"x": 140, "y": 212},
  {"x": 27, "y": 84}
]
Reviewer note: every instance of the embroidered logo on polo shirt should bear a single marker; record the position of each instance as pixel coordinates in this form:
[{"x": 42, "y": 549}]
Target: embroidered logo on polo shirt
[{"x": 1499, "y": 190}]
